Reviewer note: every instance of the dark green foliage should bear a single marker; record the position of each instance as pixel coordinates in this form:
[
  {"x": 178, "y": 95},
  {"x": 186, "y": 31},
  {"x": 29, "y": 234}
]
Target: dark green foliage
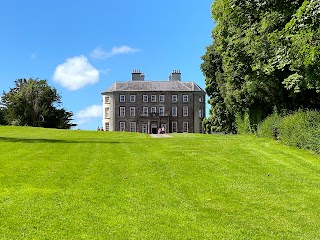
[
  {"x": 34, "y": 103},
  {"x": 265, "y": 54},
  {"x": 2, "y": 117},
  {"x": 221, "y": 119},
  {"x": 269, "y": 127},
  {"x": 301, "y": 129},
  {"x": 243, "y": 123}
]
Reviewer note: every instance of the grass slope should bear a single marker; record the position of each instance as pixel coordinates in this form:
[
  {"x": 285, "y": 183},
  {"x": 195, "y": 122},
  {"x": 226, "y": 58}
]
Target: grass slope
[{"x": 58, "y": 184}]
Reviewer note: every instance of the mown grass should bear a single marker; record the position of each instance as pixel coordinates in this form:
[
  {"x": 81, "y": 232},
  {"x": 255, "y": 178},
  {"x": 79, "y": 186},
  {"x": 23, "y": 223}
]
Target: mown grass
[{"x": 58, "y": 184}]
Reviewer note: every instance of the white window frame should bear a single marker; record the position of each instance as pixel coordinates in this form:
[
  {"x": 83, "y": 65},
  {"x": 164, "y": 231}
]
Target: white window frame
[
  {"x": 161, "y": 98},
  {"x": 153, "y": 109},
  {"x": 133, "y": 127},
  {"x": 107, "y": 99},
  {"x": 145, "y": 98},
  {"x": 122, "y": 111},
  {"x": 185, "y": 127},
  {"x": 132, "y": 98},
  {"x": 185, "y": 98},
  {"x": 174, "y": 111},
  {"x": 174, "y": 126},
  {"x": 122, "y": 98},
  {"x": 107, "y": 126},
  {"x": 185, "y": 111},
  {"x": 161, "y": 111},
  {"x": 201, "y": 99},
  {"x": 153, "y": 98},
  {"x": 144, "y": 128},
  {"x": 132, "y": 111},
  {"x": 174, "y": 98},
  {"x": 200, "y": 113},
  {"x": 107, "y": 112},
  {"x": 122, "y": 126},
  {"x": 145, "y": 111}
]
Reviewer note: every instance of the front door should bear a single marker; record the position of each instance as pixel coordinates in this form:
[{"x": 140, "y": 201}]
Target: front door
[{"x": 154, "y": 129}]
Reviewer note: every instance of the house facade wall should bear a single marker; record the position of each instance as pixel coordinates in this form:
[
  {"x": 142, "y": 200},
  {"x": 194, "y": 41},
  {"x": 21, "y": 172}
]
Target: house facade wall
[
  {"x": 154, "y": 109},
  {"x": 121, "y": 111}
]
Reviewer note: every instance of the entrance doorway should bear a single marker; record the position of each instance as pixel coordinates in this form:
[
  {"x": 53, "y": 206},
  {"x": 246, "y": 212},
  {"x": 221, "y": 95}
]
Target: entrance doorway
[{"x": 154, "y": 129}]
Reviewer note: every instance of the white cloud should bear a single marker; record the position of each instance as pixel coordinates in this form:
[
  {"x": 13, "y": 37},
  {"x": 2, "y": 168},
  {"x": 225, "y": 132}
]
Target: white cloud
[
  {"x": 99, "y": 53},
  {"x": 75, "y": 73},
  {"x": 89, "y": 113}
]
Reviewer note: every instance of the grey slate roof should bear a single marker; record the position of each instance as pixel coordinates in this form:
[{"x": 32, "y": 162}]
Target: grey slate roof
[{"x": 154, "y": 86}]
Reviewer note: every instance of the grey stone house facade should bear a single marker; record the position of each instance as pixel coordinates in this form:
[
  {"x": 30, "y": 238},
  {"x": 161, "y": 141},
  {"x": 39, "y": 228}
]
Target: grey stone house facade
[{"x": 145, "y": 106}]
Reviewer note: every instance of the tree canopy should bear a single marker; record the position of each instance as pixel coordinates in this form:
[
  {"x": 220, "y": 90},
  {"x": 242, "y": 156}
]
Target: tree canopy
[
  {"x": 265, "y": 55},
  {"x": 34, "y": 103}
]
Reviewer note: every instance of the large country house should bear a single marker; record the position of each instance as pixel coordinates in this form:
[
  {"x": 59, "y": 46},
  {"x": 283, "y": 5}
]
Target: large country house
[{"x": 147, "y": 106}]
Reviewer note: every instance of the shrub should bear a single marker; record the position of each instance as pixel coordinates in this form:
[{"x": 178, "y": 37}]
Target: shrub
[
  {"x": 243, "y": 123},
  {"x": 301, "y": 129},
  {"x": 269, "y": 127},
  {"x": 16, "y": 122}
]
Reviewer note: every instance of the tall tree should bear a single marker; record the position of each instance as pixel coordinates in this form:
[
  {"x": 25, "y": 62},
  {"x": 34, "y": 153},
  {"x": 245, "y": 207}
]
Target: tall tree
[
  {"x": 268, "y": 51},
  {"x": 220, "y": 118},
  {"x": 2, "y": 117},
  {"x": 34, "y": 103}
]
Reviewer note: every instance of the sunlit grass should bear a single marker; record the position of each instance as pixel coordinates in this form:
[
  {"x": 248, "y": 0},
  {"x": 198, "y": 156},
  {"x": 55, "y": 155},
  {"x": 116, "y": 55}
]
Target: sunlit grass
[{"x": 57, "y": 184}]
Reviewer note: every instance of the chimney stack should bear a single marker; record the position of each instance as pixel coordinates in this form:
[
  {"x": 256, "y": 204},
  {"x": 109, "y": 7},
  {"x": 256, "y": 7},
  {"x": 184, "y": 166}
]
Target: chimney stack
[
  {"x": 137, "y": 75},
  {"x": 175, "y": 75}
]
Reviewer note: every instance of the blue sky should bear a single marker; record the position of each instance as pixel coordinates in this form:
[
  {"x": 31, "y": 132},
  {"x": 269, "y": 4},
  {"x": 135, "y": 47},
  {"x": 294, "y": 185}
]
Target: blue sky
[{"x": 82, "y": 47}]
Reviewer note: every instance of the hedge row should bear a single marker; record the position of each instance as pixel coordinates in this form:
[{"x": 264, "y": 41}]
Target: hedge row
[{"x": 300, "y": 129}]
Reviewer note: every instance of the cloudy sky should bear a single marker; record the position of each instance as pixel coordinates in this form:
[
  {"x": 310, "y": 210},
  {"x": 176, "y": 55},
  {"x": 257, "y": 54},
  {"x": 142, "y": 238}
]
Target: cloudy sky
[{"x": 82, "y": 47}]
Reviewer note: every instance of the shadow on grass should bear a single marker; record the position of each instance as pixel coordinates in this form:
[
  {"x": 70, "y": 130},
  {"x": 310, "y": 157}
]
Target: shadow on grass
[{"x": 43, "y": 140}]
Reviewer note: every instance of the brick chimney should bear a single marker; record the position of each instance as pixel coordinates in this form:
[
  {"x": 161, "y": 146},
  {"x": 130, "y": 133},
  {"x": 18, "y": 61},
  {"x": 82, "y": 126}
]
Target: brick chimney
[{"x": 137, "y": 75}]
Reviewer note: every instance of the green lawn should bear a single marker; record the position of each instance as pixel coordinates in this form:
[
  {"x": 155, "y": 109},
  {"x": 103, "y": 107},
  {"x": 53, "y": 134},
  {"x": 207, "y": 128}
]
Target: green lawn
[{"x": 58, "y": 184}]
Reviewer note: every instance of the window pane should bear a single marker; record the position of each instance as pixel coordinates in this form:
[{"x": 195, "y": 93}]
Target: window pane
[
  {"x": 145, "y": 111},
  {"x": 144, "y": 128},
  {"x": 174, "y": 126},
  {"x": 132, "y": 126},
  {"x": 122, "y": 126},
  {"x": 122, "y": 111},
  {"x": 185, "y": 127},
  {"x": 132, "y": 111},
  {"x": 174, "y": 111},
  {"x": 161, "y": 111},
  {"x": 174, "y": 98},
  {"x": 132, "y": 98},
  {"x": 185, "y": 111},
  {"x": 161, "y": 98},
  {"x": 185, "y": 98},
  {"x": 107, "y": 126}
]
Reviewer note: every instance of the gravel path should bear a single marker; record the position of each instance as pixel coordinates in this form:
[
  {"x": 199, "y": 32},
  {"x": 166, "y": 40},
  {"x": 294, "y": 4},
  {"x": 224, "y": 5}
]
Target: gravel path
[{"x": 160, "y": 135}]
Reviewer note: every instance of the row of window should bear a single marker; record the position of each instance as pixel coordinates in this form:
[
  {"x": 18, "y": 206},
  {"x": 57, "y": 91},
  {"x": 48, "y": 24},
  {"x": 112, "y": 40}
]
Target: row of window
[
  {"x": 144, "y": 127},
  {"x": 153, "y": 98},
  {"x": 145, "y": 111}
]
